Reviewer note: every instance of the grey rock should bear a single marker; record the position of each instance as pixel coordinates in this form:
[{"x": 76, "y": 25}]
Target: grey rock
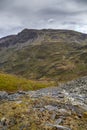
[
  {"x": 51, "y": 108},
  {"x": 53, "y": 116},
  {"x": 3, "y": 95},
  {"x": 58, "y": 121},
  {"x": 13, "y": 97},
  {"x": 64, "y": 111},
  {"x": 59, "y": 127}
]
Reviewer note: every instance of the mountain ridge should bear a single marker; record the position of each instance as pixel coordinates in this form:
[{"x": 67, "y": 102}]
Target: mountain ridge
[{"x": 33, "y": 33}]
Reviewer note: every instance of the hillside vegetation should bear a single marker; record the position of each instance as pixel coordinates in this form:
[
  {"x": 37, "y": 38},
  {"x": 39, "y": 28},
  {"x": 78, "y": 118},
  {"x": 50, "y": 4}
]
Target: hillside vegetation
[
  {"x": 59, "y": 55},
  {"x": 12, "y": 83}
]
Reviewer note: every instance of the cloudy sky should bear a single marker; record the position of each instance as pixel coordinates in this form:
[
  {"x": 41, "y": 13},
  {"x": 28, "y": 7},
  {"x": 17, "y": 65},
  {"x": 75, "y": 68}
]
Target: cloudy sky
[{"x": 16, "y": 15}]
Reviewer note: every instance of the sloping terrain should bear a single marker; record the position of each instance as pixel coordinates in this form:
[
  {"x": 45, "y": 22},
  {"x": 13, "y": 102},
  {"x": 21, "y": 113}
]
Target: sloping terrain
[
  {"x": 58, "y": 55},
  {"x": 60, "y": 108},
  {"x": 49, "y": 57},
  {"x": 12, "y": 83}
]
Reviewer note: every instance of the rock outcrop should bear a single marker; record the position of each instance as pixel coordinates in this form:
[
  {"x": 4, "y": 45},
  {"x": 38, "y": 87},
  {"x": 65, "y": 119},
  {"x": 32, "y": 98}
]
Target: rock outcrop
[{"x": 60, "y": 108}]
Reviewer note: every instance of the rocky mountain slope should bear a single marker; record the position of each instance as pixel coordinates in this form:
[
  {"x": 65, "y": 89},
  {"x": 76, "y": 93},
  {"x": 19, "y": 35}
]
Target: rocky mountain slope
[
  {"x": 58, "y": 55},
  {"x": 52, "y": 57},
  {"x": 60, "y": 108}
]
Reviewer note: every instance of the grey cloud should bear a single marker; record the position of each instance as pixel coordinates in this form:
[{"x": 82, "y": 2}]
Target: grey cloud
[
  {"x": 51, "y": 20},
  {"x": 81, "y": 1},
  {"x": 18, "y": 14},
  {"x": 59, "y": 12}
]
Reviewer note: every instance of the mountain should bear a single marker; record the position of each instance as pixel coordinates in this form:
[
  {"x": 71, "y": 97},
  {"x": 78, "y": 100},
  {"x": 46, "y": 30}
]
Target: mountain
[
  {"x": 58, "y": 55},
  {"x": 35, "y": 59}
]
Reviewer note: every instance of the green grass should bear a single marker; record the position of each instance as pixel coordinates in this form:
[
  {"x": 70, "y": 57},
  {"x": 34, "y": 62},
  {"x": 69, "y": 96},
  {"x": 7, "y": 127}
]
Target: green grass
[{"x": 12, "y": 83}]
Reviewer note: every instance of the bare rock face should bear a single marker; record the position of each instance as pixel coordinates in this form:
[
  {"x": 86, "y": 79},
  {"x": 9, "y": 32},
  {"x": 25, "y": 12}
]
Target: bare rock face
[{"x": 22, "y": 37}]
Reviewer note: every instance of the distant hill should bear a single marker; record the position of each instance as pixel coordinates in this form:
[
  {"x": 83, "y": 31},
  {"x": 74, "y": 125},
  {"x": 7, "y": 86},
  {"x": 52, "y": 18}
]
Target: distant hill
[{"x": 47, "y": 54}]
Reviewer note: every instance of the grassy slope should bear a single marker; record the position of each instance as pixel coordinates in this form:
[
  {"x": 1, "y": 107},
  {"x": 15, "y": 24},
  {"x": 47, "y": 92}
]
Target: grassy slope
[
  {"x": 48, "y": 61},
  {"x": 12, "y": 83}
]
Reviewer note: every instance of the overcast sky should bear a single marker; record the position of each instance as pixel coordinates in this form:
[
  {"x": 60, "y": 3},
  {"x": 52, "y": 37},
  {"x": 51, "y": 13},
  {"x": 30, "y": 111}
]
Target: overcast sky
[{"x": 16, "y": 15}]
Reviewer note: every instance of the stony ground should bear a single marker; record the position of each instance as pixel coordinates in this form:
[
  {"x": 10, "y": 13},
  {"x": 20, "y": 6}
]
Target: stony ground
[{"x": 62, "y": 108}]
